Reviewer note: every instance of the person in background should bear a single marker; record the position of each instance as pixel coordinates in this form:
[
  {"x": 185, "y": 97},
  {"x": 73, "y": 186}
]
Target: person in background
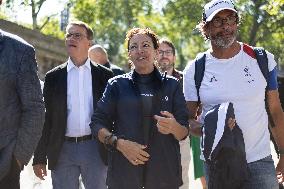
[
  {"x": 71, "y": 92},
  {"x": 232, "y": 75},
  {"x": 166, "y": 63},
  {"x": 141, "y": 118},
  {"x": 99, "y": 55},
  {"x": 21, "y": 107},
  {"x": 198, "y": 165}
]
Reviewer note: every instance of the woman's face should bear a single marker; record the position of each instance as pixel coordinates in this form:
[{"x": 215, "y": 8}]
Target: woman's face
[{"x": 142, "y": 53}]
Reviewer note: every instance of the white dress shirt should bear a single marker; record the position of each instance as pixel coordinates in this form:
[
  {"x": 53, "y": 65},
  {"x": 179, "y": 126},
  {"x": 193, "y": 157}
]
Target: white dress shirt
[{"x": 79, "y": 99}]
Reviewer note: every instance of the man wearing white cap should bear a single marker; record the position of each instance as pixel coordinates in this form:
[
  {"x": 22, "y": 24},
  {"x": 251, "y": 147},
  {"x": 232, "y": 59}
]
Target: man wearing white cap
[{"x": 232, "y": 74}]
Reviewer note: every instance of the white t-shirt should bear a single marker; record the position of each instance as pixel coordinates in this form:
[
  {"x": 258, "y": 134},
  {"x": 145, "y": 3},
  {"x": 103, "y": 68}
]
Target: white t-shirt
[{"x": 240, "y": 81}]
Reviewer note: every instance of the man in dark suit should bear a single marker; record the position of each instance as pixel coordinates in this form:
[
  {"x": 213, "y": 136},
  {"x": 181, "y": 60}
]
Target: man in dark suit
[
  {"x": 71, "y": 92},
  {"x": 21, "y": 107},
  {"x": 99, "y": 55}
]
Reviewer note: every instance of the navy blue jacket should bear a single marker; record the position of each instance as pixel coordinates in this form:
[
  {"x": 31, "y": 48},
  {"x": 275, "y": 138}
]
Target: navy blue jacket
[
  {"x": 121, "y": 104},
  {"x": 224, "y": 149}
]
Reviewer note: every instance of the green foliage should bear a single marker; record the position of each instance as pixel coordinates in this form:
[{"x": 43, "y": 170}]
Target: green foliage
[
  {"x": 110, "y": 21},
  {"x": 53, "y": 28},
  {"x": 261, "y": 24}
]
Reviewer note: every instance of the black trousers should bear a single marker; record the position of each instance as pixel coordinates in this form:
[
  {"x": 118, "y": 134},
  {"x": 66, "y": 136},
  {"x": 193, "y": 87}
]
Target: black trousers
[{"x": 12, "y": 179}]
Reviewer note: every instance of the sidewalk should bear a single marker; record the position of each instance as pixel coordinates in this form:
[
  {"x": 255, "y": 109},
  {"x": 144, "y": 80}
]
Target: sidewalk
[{"x": 29, "y": 180}]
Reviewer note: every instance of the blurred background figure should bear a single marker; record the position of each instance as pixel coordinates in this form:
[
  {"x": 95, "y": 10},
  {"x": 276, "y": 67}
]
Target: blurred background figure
[
  {"x": 198, "y": 165},
  {"x": 165, "y": 63},
  {"x": 99, "y": 55}
]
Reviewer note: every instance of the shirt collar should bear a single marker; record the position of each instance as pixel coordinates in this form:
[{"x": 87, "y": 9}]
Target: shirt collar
[{"x": 71, "y": 65}]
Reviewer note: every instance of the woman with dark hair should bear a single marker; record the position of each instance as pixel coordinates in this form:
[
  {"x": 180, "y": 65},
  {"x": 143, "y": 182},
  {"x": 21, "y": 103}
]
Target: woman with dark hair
[{"x": 140, "y": 120}]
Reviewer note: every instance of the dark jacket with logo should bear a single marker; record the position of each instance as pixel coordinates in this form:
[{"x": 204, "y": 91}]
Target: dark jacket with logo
[{"x": 121, "y": 104}]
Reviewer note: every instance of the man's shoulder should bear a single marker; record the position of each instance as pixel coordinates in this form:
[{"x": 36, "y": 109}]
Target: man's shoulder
[
  {"x": 171, "y": 79},
  {"x": 177, "y": 73},
  {"x": 116, "y": 69},
  {"x": 57, "y": 69},
  {"x": 113, "y": 66},
  {"x": 14, "y": 40},
  {"x": 123, "y": 78},
  {"x": 100, "y": 67}
]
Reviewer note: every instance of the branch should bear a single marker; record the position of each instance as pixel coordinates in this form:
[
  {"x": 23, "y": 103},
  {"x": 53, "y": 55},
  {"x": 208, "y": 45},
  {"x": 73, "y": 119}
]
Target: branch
[
  {"x": 40, "y": 3},
  {"x": 46, "y": 21}
]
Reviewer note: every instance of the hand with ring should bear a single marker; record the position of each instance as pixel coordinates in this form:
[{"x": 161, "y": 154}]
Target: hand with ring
[
  {"x": 134, "y": 152},
  {"x": 167, "y": 124}
]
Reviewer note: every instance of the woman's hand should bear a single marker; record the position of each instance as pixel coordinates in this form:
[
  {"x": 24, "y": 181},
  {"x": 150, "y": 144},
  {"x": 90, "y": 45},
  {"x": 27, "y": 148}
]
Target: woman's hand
[
  {"x": 169, "y": 125},
  {"x": 231, "y": 123},
  {"x": 134, "y": 152},
  {"x": 195, "y": 127}
]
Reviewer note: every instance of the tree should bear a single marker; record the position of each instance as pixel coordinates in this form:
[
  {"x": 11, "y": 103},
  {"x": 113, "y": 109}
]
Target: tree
[
  {"x": 110, "y": 20},
  {"x": 53, "y": 28},
  {"x": 35, "y": 6},
  {"x": 262, "y": 25}
]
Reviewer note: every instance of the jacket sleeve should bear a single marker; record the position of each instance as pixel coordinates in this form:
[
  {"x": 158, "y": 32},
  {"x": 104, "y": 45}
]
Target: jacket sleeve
[
  {"x": 32, "y": 107},
  {"x": 179, "y": 107},
  {"x": 41, "y": 150},
  {"x": 103, "y": 116}
]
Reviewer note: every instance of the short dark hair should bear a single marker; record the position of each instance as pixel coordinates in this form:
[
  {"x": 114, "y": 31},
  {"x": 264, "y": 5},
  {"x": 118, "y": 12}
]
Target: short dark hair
[
  {"x": 146, "y": 31},
  {"x": 169, "y": 43},
  {"x": 90, "y": 33}
]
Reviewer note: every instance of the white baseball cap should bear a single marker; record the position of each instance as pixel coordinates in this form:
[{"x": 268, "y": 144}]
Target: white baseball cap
[{"x": 215, "y": 6}]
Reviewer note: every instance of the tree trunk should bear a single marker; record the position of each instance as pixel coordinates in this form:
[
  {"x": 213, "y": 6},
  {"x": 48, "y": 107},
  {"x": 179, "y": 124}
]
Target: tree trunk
[{"x": 256, "y": 22}]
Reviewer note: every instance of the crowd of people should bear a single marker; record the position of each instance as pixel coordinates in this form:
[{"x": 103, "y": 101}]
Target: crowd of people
[{"x": 93, "y": 123}]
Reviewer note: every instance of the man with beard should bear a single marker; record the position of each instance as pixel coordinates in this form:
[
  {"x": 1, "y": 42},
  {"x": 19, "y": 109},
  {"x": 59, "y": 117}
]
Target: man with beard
[
  {"x": 167, "y": 58},
  {"x": 232, "y": 75},
  {"x": 166, "y": 62}
]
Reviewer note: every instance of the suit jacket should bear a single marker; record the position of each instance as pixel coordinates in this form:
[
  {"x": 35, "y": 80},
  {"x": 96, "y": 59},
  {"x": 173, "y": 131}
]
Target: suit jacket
[
  {"x": 55, "y": 98},
  {"x": 21, "y": 104},
  {"x": 114, "y": 68}
]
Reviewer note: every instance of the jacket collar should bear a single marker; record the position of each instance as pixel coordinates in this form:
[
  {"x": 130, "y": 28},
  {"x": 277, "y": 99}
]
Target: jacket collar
[
  {"x": 107, "y": 64},
  {"x": 1, "y": 40},
  {"x": 70, "y": 64},
  {"x": 161, "y": 77}
]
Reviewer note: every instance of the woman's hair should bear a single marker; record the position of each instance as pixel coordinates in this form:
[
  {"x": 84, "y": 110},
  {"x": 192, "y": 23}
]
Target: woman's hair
[{"x": 146, "y": 31}]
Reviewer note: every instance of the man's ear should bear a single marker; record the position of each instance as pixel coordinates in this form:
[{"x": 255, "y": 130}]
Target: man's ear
[
  {"x": 90, "y": 42},
  {"x": 206, "y": 31}
]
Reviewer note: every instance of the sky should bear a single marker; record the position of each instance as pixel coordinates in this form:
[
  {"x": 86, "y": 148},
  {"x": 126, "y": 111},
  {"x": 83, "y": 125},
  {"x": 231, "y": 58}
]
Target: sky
[
  {"x": 23, "y": 15},
  {"x": 50, "y": 7}
]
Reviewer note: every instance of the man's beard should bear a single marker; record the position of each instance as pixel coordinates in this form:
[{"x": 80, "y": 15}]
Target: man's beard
[
  {"x": 166, "y": 66},
  {"x": 224, "y": 41}
]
